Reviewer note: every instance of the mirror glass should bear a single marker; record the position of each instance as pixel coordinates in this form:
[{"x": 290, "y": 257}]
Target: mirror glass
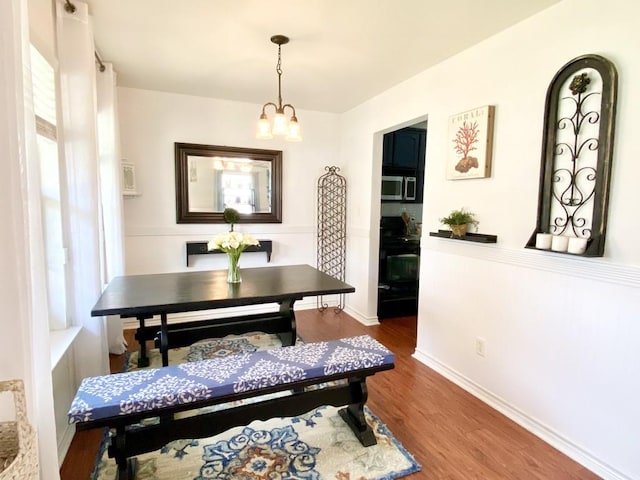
[{"x": 211, "y": 178}]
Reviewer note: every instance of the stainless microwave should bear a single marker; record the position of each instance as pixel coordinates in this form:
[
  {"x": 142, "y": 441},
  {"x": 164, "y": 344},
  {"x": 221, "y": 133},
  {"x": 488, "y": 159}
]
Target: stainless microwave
[{"x": 398, "y": 188}]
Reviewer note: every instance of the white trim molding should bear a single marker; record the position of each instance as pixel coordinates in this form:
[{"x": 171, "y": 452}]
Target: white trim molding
[
  {"x": 60, "y": 341},
  {"x": 204, "y": 231},
  {"x": 365, "y": 320},
  {"x": 584, "y": 267}
]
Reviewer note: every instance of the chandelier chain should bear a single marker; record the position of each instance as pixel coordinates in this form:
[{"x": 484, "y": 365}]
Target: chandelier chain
[
  {"x": 279, "y": 64},
  {"x": 279, "y": 72}
]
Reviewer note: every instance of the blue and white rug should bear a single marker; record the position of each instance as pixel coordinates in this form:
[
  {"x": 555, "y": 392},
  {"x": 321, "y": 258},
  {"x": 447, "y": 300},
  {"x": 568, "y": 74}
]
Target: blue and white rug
[{"x": 314, "y": 446}]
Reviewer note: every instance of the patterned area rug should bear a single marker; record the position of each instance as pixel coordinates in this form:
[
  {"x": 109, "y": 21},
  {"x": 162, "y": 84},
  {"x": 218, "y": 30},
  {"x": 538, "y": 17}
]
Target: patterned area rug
[{"x": 317, "y": 445}]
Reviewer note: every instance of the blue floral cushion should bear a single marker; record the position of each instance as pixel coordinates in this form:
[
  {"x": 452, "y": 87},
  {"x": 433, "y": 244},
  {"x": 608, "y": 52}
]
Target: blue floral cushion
[{"x": 147, "y": 390}]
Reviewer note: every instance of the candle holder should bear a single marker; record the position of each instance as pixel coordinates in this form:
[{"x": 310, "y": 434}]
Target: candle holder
[
  {"x": 577, "y": 245},
  {"x": 543, "y": 241},
  {"x": 559, "y": 243}
]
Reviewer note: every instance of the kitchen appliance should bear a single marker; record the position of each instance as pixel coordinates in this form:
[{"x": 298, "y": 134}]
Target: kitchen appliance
[
  {"x": 398, "y": 269},
  {"x": 397, "y": 187},
  {"x": 403, "y": 267}
]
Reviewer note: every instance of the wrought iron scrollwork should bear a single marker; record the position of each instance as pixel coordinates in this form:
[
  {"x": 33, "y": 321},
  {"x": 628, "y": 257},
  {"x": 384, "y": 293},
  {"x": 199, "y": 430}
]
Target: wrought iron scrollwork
[
  {"x": 577, "y": 152},
  {"x": 332, "y": 228}
]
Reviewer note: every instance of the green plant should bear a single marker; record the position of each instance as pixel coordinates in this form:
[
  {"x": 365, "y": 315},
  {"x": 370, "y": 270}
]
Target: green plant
[
  {"x": 231, "y": 215},
  {"x": 460, "y": 217}
]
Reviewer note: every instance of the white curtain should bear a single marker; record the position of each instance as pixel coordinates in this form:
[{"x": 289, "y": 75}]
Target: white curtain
[
  {"x": 78, "y": 97},
  {"x": 24, "y": 344},
  {"x": 111, "y": 194}
]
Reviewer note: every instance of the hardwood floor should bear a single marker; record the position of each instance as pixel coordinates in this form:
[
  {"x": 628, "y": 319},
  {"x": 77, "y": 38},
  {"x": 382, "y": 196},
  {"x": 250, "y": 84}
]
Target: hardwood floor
[{"x": 453, "y": 435}]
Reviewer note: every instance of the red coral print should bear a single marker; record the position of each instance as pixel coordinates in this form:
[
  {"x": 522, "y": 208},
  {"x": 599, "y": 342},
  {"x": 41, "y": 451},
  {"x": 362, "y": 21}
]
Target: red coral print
[{"x": 466, "y": 138}]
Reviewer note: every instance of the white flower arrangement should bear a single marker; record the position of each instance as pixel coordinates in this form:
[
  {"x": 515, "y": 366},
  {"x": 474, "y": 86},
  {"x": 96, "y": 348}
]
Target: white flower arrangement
[{"x": 232, "y": 243}]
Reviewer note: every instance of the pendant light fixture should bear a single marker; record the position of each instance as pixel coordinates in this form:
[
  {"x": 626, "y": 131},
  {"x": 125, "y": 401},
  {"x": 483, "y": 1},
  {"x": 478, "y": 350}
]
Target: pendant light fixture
[{"x": 281, "y": 126}]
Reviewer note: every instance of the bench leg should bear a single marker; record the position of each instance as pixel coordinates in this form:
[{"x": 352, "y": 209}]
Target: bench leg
[
  {"x": 353, "y": 414},
  {"x": 129, "y": 470},
  {"x": 126, "y": 466}
]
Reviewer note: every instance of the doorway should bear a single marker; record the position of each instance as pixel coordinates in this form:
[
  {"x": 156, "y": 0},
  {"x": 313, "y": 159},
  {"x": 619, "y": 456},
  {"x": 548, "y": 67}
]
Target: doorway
[{"x": 401, "y": 202}]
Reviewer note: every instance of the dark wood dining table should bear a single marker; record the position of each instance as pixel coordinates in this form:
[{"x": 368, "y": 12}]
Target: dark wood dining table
[{"x": 145, "y": 296}]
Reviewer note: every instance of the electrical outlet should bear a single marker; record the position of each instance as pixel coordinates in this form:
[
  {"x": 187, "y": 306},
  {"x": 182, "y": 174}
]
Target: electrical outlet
[{"x": 480, "y": 346}]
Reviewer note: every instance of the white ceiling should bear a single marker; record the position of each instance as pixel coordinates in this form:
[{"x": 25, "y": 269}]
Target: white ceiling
[{"x": 341, "y": 52}]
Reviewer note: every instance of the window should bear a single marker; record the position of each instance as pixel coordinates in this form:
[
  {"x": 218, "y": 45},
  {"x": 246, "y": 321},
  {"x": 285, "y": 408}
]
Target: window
[
  {"x": 44, "y": 106},
  {"x": 238, "y": 192}
]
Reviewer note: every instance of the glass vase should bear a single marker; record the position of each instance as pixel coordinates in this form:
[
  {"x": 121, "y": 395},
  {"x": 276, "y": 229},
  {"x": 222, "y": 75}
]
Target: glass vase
[{"x": 233, "y": 273}]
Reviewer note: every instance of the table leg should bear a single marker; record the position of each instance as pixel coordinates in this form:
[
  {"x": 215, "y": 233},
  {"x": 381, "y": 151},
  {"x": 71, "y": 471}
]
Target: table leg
[
  {"x": 164, "y": 340},
  {"x": 143, "y": 360},
  {"x": 288, "y": 338}
]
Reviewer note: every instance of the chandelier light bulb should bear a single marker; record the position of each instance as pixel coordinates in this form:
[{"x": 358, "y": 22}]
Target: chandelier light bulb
[
  {"x": 293, "y": 135},
  {"x": 264, "y": 128},
  {"x": 280, "y": 124}
]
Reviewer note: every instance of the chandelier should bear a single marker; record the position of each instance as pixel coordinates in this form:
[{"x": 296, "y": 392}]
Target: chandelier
[{"x": 281, "y": 126}]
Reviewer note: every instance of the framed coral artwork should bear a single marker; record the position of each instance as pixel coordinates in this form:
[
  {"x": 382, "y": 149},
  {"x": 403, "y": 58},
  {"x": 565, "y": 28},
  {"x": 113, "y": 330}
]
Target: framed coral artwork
[{"x": 469, "y": 144}]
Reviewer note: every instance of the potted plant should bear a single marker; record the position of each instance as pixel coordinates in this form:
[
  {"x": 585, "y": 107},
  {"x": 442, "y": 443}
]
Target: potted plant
[
  {"x": 231, "y": 216},
  {"x": 458, "y": 221}
]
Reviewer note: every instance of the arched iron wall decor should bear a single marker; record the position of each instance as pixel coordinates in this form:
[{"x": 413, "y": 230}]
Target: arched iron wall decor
[
  {"x": 332, "y": 228},
  {"x": 577, "y": 153}
]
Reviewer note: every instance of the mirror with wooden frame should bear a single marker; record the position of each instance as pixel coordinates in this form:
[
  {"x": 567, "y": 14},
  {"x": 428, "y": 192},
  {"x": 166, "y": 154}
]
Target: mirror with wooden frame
[{"x": 210, "y": 178}]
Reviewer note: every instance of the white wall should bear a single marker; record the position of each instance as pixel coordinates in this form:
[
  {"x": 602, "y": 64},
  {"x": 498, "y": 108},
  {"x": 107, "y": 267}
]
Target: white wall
[
  {"x": 150, "y": 124},
  {"x": 561, "y": 333}
]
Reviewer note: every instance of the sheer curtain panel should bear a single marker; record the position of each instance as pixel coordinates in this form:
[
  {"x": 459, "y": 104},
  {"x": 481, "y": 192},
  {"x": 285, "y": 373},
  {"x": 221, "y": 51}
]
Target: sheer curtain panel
[
  {"x": 79, "y": 112},
  {"x": 111, "y": 194},
  {"x": 24, "y": 344}
]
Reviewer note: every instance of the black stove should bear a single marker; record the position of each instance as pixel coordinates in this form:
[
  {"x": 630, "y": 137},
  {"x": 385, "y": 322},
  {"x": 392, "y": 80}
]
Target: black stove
[
  {"x": 399, "y": 262},
  {"x": 400, "y": 242},
  {"x": 392, "y": 227},
  {"x": 393, "y": 235}
]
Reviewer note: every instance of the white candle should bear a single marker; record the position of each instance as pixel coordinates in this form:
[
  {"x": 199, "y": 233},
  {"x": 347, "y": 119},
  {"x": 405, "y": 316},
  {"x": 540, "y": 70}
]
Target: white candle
[
  {"x": 543, "y": 240},
  {"x": 559, "y": 243},
  {"x": 577, "y": 245}
]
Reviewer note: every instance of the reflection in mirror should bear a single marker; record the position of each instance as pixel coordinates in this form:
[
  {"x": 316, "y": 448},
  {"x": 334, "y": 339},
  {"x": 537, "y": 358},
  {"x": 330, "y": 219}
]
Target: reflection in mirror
[
  {"x": 211, "y": 178},
  {"x": 216, "y": 183}
]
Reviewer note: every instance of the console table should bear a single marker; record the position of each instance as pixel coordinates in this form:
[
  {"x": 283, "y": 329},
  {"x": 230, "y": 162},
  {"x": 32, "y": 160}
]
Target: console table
[
  {"x": 201, "y": 248},
  {"x": 143, "y": 296}
]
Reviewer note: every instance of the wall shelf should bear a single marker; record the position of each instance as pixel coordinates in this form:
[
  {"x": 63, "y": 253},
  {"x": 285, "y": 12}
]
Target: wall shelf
[
  {"x": 469, "y": 237},
  {"x": 200, "y": 248},
  {"x": 586, "y": 254}
]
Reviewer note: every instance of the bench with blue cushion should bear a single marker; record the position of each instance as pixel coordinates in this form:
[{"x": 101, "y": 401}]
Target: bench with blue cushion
[{"x": 307, "y": 375}]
